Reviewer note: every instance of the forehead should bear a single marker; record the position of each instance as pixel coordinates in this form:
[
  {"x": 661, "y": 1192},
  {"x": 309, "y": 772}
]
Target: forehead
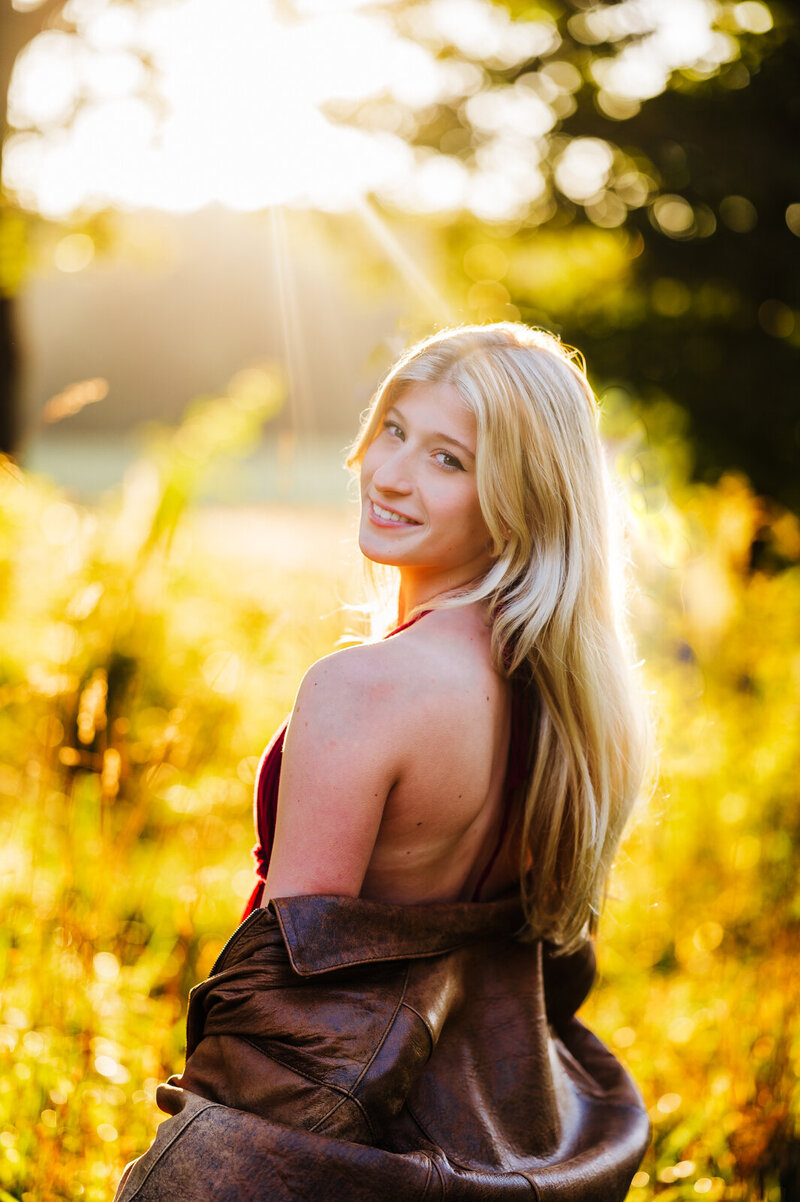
[{"x": 438, "y": 407}]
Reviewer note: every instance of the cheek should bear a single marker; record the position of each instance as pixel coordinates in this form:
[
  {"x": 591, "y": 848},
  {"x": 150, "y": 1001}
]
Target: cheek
[
  {"x": 474, "y": 520},
  {"x": 466, "y": 516},
  {"x": 369, "y": 463},
  {"x": 479, "y": 526}
]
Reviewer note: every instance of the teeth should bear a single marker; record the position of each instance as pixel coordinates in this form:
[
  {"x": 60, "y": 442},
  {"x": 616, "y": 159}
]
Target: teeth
[{"x": 390, "y": 516}]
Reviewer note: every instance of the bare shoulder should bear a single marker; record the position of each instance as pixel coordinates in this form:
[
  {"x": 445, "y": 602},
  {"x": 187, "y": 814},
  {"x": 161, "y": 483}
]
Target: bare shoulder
[
  {"x": 392, "y": 697},
  {"x": 405, "y": 678},
  {"x": 346, "y": 685},
  {"x": 449, "y": 649}
]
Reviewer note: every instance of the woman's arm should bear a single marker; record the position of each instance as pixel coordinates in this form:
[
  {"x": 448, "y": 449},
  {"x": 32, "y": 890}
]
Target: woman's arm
[{"x": 341, "y": 758}]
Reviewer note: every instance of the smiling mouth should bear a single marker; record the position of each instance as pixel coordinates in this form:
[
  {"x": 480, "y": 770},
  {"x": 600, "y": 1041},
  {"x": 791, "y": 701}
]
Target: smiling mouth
[{"x": 390, "y": 515}]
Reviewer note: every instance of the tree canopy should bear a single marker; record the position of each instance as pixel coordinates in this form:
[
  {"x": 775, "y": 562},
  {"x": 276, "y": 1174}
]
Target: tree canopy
[
  {"x": 621, "y": 172},
  {"x": 641, "y": 189}
]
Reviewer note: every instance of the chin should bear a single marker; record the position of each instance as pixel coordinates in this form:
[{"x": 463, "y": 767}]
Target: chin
[
  {"x": 377, "y": 555},
  {"x": 375, "y": 549}
]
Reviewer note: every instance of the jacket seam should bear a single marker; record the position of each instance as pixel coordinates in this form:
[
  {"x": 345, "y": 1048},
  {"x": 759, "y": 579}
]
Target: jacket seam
[
  {"x": 351, "y": 1092},
  {"x": 346, "y": 1097},
  {"x": 390, "y": 1024},
  {"x": 344, "y": 1094},
  {"x": 463, "y": 1164},
  {"x": 433, "y": 1170},
  {"x": 175, "y": 1136},
  {"x": 293, "y": 1068},
  {"x": 415, "y": 1118},
  {"x": 423, "y": 1020}
]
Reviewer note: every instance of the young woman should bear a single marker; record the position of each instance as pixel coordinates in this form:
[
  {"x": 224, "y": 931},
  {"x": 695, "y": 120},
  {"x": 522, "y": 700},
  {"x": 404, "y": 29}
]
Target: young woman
[{"x": 437, "y": 822}]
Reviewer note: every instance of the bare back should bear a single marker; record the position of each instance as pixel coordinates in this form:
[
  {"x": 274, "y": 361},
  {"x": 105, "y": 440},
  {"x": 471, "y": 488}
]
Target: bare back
[
  {"x": 393, "y": 771},
  {"x": 443, "y": 815}
]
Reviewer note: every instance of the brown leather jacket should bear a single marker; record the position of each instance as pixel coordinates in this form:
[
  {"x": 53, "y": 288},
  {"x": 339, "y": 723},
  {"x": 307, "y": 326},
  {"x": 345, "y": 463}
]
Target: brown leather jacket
[{"x": 354, "y": 1051}]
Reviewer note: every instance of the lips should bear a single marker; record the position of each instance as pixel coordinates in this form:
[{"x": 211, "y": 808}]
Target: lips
[{"x": 382, "y": 515}]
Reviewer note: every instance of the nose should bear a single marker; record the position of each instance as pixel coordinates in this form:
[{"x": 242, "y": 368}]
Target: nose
[{"x": 394, "y": 474}]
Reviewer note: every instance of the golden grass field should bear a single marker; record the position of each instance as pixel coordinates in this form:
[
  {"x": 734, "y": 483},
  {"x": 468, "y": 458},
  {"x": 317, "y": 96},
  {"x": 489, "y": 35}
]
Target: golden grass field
[{"x": 149, "y": 649}]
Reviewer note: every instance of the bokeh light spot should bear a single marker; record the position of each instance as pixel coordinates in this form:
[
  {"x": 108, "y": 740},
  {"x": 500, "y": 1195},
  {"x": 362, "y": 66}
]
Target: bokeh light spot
[
  {"x": 485, "y": 262},
  {"x": 674, "y": 216},
  {"x": 584, "y": 167},
  {"x": 793, "y": 219},
  {"x": 106, "y": 966},
  {"x": 74, "y": 252},
  {"x": 33, "y": 1042},
  {"x": 608, "y": 211},
  {"x": 752, "y": 16},
  {"x": 738, "y": 213},
  {"x": 732, "y": 808},
  {"x": 670, "y": 297},
  {"x": 487, "y": 294},
  {"x": 776, "y": 318},
  {"x": 681, "y": 1029},
  {"x": 684, "y": 1168},
  {"x": 708, "y": 936},
  {"x": 668, "y": 1103},
  {"x": 618, "y": 108}
]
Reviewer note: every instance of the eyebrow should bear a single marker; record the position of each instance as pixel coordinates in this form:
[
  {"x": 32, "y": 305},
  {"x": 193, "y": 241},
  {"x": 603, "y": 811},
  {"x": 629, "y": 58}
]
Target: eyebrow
[{"x": 436, "y": 434}]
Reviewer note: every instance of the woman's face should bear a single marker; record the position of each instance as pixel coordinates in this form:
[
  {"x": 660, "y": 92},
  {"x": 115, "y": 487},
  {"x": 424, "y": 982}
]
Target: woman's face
[{"x": 419, "y": 494}]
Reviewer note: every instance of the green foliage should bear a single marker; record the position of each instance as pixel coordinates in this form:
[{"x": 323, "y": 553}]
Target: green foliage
[
  {"x": 138, "y": 689},
  {"x": 676, "y": 271}
]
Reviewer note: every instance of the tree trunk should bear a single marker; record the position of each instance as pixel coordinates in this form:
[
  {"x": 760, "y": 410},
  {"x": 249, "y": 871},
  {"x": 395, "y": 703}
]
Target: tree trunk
[
  {"x": 16, "y": 30},
  {"x": 9, "y": 379}
]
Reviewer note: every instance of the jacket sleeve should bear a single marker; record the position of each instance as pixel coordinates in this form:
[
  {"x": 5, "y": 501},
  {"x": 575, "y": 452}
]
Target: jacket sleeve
[{"x": 334, "y": 1054}]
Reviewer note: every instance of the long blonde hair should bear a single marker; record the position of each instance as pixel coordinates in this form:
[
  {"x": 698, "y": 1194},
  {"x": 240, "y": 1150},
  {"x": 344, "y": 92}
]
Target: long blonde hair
[{"x": 554, "y": 601}]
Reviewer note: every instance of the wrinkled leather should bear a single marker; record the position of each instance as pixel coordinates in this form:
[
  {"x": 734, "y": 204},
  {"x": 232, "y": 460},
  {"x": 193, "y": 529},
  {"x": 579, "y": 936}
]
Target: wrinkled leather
[{"x": 351, "y": 1050}]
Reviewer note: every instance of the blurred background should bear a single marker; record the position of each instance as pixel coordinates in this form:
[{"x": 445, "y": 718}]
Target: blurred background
[{"x": 219, "y": 225}]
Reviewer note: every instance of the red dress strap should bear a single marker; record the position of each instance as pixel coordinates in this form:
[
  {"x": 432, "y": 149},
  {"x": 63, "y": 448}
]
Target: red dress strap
[
  {"x": 265, "y": 807},
  {"x": 405, "y": 625}
]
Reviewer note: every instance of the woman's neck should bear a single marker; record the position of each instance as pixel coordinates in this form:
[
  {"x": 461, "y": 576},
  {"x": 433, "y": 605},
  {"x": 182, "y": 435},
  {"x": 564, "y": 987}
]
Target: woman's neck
[
  {"x": 424, "y": 604},
  {"x": 419, "y": 589}
]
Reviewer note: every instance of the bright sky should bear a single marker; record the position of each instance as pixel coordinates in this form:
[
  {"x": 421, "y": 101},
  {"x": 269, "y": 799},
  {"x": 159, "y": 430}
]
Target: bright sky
[{"x": 242, "y": 84}]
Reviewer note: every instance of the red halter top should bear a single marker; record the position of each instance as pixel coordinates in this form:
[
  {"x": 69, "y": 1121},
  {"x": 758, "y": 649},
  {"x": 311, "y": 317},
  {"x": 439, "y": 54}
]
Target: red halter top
[{"x": 265, "y": 796}]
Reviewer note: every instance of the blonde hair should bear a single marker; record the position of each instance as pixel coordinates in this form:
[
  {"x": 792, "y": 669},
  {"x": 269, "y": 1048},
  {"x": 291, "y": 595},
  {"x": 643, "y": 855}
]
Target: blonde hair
[{"x": 554, "y": 601}]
